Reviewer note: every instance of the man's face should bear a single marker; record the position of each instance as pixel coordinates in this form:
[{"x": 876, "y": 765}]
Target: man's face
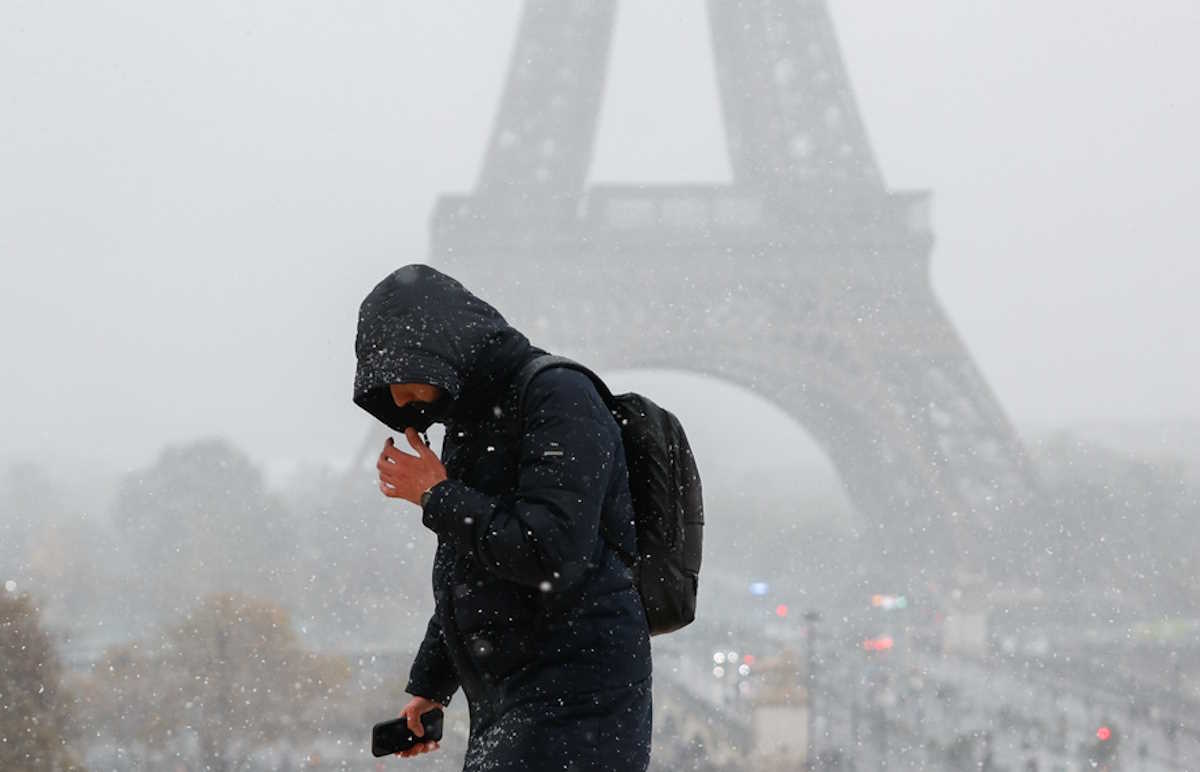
[{"x": 403, "y": 393}]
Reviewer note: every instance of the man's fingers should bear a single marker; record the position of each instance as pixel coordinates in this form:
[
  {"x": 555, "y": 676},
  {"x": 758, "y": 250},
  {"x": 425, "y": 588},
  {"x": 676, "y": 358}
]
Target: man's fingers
[
  {"x": 414, "y": 723},
  {"x": 394, "y": 454},
  {"x": 417, "y": 443},
  {"x": 393, "y": 476},
  {"x": 394, "y": 463},
  {"x": 418, "y": 749}
]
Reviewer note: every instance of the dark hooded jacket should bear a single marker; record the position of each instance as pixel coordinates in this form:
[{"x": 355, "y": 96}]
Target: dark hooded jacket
[{"x": 532, "y": 604}]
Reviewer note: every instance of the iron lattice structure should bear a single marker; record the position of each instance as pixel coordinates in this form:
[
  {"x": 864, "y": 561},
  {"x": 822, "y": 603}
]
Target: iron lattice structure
[{"x": 805, "y": 280}]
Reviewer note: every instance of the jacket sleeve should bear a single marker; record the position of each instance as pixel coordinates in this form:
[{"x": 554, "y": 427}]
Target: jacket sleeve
[
  {"x": 544, "y": 533},
  {"x": 432, "y": 675}
]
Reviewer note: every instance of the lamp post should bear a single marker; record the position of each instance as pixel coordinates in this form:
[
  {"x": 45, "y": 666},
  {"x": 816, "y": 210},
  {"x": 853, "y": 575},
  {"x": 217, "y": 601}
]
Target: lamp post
[{"x": 811, "y": 618}]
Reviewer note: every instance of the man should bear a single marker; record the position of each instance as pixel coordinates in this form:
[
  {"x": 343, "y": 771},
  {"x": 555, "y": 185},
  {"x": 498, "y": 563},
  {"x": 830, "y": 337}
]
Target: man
[{"x": 536, "y": 616}]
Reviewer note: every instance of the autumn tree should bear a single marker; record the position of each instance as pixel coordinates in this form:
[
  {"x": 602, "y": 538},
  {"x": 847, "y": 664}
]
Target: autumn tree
[
  {"x": 124, "y": 696},
  {"x": 200, "y": 520},
  {"x": 230, "y": 674},
  {"x": 35, "y": 710}
]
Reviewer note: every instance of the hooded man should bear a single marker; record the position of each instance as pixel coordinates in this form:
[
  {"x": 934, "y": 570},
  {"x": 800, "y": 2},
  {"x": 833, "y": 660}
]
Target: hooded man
[{"x": 536, "y": 615}]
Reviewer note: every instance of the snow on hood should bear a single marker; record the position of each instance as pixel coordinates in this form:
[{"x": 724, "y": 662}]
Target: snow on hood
[{"x": 419, "y": 326}]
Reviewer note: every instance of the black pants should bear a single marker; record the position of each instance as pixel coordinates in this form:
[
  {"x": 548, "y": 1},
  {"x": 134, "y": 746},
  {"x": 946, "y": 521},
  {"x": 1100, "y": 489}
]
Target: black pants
[{"x": 605, "y": 731}]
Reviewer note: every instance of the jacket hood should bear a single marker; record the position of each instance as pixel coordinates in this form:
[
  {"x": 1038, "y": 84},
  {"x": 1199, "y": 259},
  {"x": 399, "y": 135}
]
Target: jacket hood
[{"x": 420, "y": 325}]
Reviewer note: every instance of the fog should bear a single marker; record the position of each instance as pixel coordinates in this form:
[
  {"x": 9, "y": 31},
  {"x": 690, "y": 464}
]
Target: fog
[
  {"x": 194, "y": 198},
  {"x": 194, "y": 201}
]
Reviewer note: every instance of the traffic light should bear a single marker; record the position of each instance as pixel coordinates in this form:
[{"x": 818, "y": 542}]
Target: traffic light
[
  {"x": 1105, "y": 748},
  {"x": 882, "y": 643}
]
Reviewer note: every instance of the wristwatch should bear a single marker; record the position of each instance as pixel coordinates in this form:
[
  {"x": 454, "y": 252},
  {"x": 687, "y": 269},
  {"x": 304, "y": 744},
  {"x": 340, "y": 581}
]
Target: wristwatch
[{"x": 425, "y": 496}]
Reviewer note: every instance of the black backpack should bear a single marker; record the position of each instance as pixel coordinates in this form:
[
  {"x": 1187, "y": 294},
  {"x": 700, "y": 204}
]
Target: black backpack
[{"x": 665, "y": 486}]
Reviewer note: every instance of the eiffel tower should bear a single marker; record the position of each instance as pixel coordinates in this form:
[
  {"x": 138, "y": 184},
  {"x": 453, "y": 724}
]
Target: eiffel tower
[{"x": 806, "y": 280}]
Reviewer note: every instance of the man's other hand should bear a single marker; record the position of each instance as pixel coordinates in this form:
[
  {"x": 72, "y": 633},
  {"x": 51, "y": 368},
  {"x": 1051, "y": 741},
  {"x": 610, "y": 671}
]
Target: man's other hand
[
  {"x": 417, "y": 707},
  {"x": 405, "y": 476}
]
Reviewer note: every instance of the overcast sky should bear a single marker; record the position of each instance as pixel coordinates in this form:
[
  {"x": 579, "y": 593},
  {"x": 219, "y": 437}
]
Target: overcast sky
[{"x": 194, "y": 197}]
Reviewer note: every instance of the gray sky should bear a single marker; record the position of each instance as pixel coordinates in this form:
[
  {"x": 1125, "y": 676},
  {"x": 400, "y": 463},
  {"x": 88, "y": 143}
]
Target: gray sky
[{"x": 195, "y": 196}]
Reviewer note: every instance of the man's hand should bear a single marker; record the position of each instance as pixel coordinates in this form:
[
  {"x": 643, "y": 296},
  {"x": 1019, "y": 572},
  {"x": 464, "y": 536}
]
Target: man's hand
[
  {"x": 405, "y": 476},
  {"x": 417, "y": 707}
]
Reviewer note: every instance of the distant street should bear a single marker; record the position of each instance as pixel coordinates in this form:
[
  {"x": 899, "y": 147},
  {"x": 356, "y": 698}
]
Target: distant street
[{"x": 911, "y": 707}]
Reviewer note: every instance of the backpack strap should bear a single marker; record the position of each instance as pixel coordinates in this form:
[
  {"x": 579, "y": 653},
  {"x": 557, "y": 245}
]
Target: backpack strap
[{"x": 545, "y": 362}]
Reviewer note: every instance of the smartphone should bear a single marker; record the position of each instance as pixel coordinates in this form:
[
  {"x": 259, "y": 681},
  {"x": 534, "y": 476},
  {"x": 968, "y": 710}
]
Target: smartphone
[{"x": 388, "y": 737}]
